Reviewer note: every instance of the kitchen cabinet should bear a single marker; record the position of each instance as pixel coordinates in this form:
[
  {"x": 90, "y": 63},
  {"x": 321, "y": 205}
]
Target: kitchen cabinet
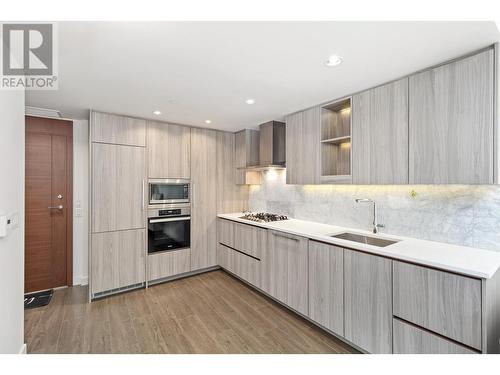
[
  {"x": 168, "y": 263},
  {"x": 409, "y": 339},
  {"x": 285, "y": 270},
  {"x": 169, "y": 150},
  {"x": 380, "y": 135},
  {"x": 451, "y": 129},
  {"x": 442, "y": 302},
  {"x": 203, "y": 199},
  {"x": 302, "y": 147},
  {"x": 368, "y": 301},
  {"x": 326, "y": 286},
  {"x": 115, "y": 129},
  {"x": 335, "y": 143},
  {"x": 247, "y": 155},
  {"x": 250, "y": 239},
  {"x": 118, "y": 183},
  {"x": 117, "y": 260},
  {"x": 225, "y": 232},
  {"x": 230, "y": 197},
  {"x": 242, "y": 265}
]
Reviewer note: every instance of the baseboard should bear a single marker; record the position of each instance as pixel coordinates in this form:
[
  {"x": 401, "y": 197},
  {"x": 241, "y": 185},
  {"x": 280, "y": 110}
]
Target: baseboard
[
  {"x": 81, "y": 280},
  {"x": 24, "y": 349}
]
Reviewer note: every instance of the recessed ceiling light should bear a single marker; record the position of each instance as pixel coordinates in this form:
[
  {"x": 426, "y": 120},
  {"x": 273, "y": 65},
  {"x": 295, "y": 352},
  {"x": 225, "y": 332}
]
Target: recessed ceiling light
[
  {"x": 250, "y": 101},
  {"x": 333, "y": 60},
  {"x": 208, "y": 121},
  {"x": 157, "y": 113}
]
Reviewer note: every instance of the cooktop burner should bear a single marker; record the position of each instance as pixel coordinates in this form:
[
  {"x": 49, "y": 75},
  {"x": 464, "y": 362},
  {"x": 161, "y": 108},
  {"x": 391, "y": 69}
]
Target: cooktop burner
[{"x": 264, "y": 217}]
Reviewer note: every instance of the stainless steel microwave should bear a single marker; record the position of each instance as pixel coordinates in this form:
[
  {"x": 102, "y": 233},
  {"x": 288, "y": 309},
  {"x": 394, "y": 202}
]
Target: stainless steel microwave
[{"x": 168, "y": 191}]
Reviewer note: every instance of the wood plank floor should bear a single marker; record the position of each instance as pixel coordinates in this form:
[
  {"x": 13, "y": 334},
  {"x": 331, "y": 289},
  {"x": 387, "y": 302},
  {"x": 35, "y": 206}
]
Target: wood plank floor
[{"x": 207, "y": 313}]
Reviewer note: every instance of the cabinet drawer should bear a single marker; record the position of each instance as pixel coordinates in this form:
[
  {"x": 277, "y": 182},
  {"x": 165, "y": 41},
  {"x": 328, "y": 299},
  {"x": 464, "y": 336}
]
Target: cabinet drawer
[
  {"x": 240, "y": 264},
  {"x": 168, "y": 263},
  {"x": 442, "y": 302},
  {"x": 225, "y": 232},
  {"x": 249, "y": 239},
  {"x": 409, "y": 339}
]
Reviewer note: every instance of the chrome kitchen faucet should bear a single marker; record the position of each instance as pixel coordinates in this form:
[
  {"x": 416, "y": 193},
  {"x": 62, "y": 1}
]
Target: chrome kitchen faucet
[{"x": 376, "y": 225}]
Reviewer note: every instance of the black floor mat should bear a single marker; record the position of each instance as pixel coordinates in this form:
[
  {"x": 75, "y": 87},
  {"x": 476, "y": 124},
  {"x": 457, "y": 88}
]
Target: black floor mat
[{"x": 38, "y": 299}]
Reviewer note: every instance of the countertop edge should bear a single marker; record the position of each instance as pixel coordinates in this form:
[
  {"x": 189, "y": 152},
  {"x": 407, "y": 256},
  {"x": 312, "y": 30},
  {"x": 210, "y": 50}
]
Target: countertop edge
[{"x": 481, "y": 274}]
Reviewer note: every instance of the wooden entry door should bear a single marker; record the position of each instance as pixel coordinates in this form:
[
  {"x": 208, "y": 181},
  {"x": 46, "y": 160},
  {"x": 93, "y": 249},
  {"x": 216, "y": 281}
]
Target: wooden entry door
[{"x": 48, "y": 204}]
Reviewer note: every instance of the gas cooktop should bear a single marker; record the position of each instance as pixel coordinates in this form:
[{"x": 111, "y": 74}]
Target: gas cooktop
[{"x": 263, "y": 217}]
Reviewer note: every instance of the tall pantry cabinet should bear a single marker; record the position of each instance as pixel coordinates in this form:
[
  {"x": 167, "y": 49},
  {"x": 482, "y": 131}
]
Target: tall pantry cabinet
[{"x": 118, "y": 232}]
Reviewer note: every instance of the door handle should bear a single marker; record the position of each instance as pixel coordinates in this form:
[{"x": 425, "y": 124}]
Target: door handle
[{"x": 60, "y": 207}]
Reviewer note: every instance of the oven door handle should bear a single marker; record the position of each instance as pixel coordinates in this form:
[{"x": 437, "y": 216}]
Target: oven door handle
[{"x": 184, "y": 218}]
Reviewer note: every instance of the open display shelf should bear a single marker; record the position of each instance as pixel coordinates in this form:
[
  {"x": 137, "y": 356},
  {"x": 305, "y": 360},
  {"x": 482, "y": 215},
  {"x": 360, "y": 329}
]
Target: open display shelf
[{"x": 336, "y": 142}]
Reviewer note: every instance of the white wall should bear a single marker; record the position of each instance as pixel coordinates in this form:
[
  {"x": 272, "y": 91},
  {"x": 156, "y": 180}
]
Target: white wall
[
  {"x": 12, "y": 201},
  {"x": 80, "y": 197}
]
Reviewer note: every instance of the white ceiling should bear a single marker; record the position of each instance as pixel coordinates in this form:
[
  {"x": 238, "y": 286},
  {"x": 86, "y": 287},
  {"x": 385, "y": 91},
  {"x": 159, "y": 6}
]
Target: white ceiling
[{"x": 194, "y": 71}]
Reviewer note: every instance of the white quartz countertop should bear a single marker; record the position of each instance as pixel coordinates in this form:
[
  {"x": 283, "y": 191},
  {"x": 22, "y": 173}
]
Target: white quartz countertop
[{"x": 460, "y": 259}]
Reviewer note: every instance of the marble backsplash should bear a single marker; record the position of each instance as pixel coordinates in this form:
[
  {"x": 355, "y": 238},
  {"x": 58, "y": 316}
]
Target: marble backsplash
[{"x": 466, "y": 215}]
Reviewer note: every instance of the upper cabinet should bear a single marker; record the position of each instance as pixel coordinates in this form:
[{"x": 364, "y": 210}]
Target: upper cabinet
[
  {"x": 169, "y": 150},
  {"x": 336, "y": 142},
  {"x": 247, "y": 155},
  {"x": 230, "y": 197},
  {"x": 108, "y": 128},
  {"x": 433, "y": 127},
  {"x": 302, "y": 147},
  {"x": 380, "y": 135},
  {"x": 451, "y": 122}
]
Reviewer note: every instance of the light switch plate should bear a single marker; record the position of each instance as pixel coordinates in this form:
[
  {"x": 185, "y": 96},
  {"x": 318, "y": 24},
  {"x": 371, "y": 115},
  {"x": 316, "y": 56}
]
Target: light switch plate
[{"x": 3, "y": 226}]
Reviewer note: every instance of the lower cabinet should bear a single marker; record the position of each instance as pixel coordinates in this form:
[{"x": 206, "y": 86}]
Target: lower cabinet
[
  {"x": 117, "y": 259},
  {"x": 285, "y": 270},
  {"x": 225, "y": 232},
  {"x": 368, "y": 301},
  {"x": 168, "y": 263},
  {"x": 410, "y": 339},
  {"x": 439, "y": 301},
  {"x": 326, "y": 286},
  {"x": 249, "y": 239},
  {"x": 240, "y": 264}
]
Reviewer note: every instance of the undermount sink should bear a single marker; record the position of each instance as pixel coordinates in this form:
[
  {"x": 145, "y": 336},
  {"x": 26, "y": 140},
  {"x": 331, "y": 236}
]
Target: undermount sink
[{"x": 374, "y": 241}]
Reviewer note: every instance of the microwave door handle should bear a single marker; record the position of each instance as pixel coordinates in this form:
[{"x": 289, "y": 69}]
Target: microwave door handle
[{"x": 184, "y": 218}]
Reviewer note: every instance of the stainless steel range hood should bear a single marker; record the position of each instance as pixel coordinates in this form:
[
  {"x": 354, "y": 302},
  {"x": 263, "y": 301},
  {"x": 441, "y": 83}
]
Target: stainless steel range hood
[{"x": 272, "y": 147}]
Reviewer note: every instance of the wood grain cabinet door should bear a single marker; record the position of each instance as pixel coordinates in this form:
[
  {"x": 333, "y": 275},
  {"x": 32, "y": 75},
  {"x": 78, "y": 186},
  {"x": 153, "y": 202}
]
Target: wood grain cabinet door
[
  {"x": 326, "y": 286},
  {"x": 118, "y": 179},
  {"x": 115, "y": 129},
  {"x": 225, "y": 232},
  {"x": 302, "y": 147},
  {"x": 241, "y": 265},
  {"x": 285, "y": 270},
  {"x": 169, "y": 150},
  {"x": 380, "y": 135},
  {"x": 442, "y": 302},
  {"x": 451, "y": 122},
  {"x": 203, "y": 199},
  {"x": 118, "y": 259},
  {"x": 250, "y": 239},
  {"x": 230, "y": 197},
  {"x": 368, "y": 301},
  {"x": 168, "y": 263},
  {"x": 410, "y": 339}
]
